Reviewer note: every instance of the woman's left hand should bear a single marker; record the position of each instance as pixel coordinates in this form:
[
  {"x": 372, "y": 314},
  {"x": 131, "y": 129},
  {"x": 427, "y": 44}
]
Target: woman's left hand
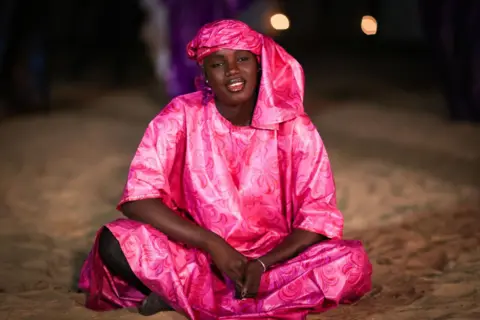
[{"x": 252, "y": 277}]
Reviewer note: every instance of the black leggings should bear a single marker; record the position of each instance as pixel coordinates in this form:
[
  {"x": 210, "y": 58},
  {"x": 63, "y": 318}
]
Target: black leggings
[{"x": 112, "y": 256}]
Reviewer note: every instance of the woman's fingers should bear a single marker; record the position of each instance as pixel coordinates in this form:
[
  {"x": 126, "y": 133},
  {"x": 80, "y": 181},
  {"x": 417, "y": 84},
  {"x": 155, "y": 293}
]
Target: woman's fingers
[
  {"x": 246, "y": 286},
  {"x": 252, "y": 281},
  {"x": 236, "y": 275},
  {"x": 239, "y": 271}
]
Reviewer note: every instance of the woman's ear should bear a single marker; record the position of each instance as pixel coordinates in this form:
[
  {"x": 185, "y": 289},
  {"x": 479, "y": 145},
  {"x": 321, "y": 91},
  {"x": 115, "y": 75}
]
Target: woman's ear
[{"x": 204, "y": 73}]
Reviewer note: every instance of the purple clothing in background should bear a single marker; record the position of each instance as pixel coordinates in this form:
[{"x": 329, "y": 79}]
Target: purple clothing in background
[{"x": 186, "y": 17}]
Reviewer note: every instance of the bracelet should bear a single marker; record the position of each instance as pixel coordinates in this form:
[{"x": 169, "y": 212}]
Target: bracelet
[{"x": 263, "y": 265}]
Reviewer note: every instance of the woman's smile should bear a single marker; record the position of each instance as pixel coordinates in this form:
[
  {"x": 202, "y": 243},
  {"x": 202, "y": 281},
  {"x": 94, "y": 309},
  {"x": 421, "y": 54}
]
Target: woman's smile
[{"x": 236, "y": 85}]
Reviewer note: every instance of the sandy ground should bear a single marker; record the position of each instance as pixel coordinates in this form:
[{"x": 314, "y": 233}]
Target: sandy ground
[{"x": 408, "y": 184}]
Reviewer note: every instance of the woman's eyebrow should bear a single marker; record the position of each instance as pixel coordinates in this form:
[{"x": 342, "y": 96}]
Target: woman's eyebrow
[{"x": 217, "y": 55}]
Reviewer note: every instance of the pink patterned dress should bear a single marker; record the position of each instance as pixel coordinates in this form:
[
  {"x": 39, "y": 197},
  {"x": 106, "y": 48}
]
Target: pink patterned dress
[{"x": 250, "y": 185}]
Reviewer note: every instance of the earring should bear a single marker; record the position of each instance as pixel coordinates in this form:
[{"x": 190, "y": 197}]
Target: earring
[{"x": 206, "y": 81}]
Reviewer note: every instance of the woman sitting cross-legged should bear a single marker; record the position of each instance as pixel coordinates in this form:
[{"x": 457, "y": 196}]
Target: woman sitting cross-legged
[{"x": 230, "y": 199}]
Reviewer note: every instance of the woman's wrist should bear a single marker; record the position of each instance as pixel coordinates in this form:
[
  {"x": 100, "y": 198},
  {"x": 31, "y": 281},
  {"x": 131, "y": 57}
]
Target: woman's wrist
[
  {"x": 264, "y": 266},
  {"x": 266, "y": 261}
]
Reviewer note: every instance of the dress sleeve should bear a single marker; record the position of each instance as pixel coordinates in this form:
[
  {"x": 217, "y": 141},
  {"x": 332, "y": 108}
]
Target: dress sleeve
[
  {"x": 153, "y": 168},
  {"x": 315, "y": 207}
]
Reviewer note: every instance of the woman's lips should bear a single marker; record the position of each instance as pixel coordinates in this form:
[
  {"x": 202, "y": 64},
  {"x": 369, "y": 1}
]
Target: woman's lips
[{"x": 236, "y": 85}]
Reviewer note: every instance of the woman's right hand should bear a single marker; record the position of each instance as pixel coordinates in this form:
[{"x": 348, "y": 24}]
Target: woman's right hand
[{"x": 228, "y": 260}]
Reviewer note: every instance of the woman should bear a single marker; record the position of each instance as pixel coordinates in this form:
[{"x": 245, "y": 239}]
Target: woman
[{"x": 230, "y": 199}]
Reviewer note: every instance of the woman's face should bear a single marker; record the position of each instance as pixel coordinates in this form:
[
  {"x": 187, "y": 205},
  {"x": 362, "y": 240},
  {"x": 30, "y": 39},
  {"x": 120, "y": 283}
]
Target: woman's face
[{"x": 232, "y": 75}]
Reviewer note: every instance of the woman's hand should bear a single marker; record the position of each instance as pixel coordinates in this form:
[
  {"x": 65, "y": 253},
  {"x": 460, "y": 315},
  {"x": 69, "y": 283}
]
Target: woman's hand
[
  {"x": 228, "y": 260},
  {"x": 252, "y": 277}
]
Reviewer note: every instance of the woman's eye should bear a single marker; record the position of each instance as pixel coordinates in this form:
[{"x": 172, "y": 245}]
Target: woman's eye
[
  {"x": 216, "y": 65},
  {"x": 243, "y": 59}
]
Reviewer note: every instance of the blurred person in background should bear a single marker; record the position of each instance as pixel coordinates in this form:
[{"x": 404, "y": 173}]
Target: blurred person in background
[
  {"x": 23, "y": 56},
  {"x": 155, "y": 36},
  {"x": 452, "y": 28},
  {"x": 170, "y": 24}
]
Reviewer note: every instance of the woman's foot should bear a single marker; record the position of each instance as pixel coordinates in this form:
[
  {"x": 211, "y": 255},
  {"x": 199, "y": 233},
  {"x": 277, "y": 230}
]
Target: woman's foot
[{"x": 153, "y": 304}]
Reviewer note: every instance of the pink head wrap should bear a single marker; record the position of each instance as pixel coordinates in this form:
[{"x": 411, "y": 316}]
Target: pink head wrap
[{"x": 280, "y": 97}]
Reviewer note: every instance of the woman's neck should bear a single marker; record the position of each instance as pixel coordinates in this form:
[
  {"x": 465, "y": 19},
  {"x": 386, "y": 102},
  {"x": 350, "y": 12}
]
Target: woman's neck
[{"x": 239, "y": 115}]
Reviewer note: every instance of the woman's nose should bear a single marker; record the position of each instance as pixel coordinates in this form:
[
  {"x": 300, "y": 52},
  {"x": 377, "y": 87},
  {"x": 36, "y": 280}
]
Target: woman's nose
[{"x": 232, "y": 69}]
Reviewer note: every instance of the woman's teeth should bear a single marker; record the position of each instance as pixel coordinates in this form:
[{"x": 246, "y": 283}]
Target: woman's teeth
[{"x": 236, "y": 86}]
